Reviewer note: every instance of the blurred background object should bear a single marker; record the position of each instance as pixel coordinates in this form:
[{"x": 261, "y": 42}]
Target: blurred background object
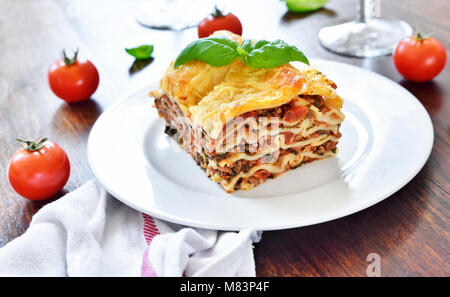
[
  {"x": 173, "y": 14},
  {"x": 217, "y": 21},
  {"x": 419, "y": 58},
  {"x": 368, "y": 36},
  {"x": 305, "y": 5}
]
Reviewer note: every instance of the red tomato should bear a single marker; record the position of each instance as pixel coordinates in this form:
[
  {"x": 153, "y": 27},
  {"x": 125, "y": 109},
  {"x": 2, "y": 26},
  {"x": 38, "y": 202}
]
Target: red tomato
[
  {"x": 420, "y": 59},
  {"x": 39, "y": 170},
  {"x": 73, "y": 79},
  {"x": 296, "y": 113},
  {"x": 217, "y": 21}
]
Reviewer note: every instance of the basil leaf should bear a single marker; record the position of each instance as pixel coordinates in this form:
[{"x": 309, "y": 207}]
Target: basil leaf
[
  {"x": 265, "y": 54},
  {"x": 247, "y": 45},
  {"x": 260, "y": 43},
  {"x": 141, "y": 52},
  {"x": 216, "y": 51},
  {"x": 220, "y": 51}
]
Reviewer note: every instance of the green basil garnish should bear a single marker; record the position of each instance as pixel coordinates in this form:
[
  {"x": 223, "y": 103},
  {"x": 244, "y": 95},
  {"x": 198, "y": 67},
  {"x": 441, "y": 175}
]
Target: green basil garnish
[
  {"x": 220, "y": 51},
  {"x": 266, "y": 54},
  {"x": 141, "y": 52},
  {"x": 216, "y": 51}
]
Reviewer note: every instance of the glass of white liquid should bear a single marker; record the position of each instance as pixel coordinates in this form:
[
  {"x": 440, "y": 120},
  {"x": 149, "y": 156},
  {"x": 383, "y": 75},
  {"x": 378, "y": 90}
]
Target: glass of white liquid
[
  {"x": 368, "y": 36},
  {"x": 173, "y": 14}
]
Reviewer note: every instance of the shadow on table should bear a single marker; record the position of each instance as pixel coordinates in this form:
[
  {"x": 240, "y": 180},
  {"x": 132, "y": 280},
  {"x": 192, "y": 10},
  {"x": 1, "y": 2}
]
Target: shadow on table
[
  {"x": 76, "y": 118},
  {"x": 430, "y": 94},
  {"x": 138, "y": 65},
  {"x": 38, "y": 204}
]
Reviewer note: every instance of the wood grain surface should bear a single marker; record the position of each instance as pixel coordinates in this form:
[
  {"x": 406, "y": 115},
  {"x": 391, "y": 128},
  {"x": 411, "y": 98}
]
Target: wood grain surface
[{"x": 409, "y": 230}]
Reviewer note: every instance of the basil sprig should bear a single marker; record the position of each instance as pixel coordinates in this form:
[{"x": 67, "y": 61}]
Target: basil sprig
[
  {"x": 141, "y": 52},
  {"x": 220, "y": 51}
]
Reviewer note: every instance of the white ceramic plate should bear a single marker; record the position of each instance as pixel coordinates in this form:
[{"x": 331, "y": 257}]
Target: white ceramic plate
[{"x": 386, "y": 139}]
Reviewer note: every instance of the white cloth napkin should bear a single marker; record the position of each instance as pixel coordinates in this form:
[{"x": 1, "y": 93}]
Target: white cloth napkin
[{"x": 89, "y": 233}]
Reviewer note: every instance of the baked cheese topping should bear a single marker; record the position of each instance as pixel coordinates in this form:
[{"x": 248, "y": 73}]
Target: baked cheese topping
[{"x": 210, "y": 96}]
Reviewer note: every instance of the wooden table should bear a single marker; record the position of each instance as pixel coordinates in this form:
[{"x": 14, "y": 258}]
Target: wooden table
[{"x": 409, "y": 230}]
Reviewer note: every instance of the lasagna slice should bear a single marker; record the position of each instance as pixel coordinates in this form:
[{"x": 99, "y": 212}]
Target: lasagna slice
[{"x": 243, "y": 125}]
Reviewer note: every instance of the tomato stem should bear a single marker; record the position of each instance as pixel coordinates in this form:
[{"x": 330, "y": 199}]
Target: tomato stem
[
  {"x": 32, "y": 146},
  {"x": 419, "y": 36},
  {"x": 217, "y": 12},
  {"x": 69, "y": 61}
]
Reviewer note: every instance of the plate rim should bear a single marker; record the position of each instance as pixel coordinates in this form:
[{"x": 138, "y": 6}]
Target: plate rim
[{"x": 340, "y": 213}]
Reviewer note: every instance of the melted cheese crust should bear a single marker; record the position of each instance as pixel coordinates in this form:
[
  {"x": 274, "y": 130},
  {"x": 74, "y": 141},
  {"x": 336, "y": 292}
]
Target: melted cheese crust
[{"x": 210, "y": 96}]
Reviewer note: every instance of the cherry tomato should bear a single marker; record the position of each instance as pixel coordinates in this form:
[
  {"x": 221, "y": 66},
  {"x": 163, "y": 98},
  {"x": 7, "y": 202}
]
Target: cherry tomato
[
  {"x": 420, "y": 59},
  {"x": 73, "y": 79},
  {"x": 39, "y": 169},
  {"x": 217, "y": 21}
]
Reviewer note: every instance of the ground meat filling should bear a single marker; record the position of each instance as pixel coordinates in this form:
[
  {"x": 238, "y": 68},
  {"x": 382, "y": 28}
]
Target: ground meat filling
[{"x": 203, "y": 150}]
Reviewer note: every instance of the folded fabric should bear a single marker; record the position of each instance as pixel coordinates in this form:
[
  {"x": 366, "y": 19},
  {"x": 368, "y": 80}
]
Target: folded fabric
[{"x": 89, "y": 233}]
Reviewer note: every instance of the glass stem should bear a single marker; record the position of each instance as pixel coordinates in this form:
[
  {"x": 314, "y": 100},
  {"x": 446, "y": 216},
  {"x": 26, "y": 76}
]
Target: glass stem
[{"x": 368, "y": 9}]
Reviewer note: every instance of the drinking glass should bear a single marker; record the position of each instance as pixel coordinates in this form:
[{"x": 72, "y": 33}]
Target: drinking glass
[
  {"x": 173, "y": 14},
  {"x": 368, "y": 36}
]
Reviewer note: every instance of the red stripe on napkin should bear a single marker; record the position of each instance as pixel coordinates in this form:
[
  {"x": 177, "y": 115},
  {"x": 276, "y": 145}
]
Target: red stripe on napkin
[{"x": 150, "y": 231}]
